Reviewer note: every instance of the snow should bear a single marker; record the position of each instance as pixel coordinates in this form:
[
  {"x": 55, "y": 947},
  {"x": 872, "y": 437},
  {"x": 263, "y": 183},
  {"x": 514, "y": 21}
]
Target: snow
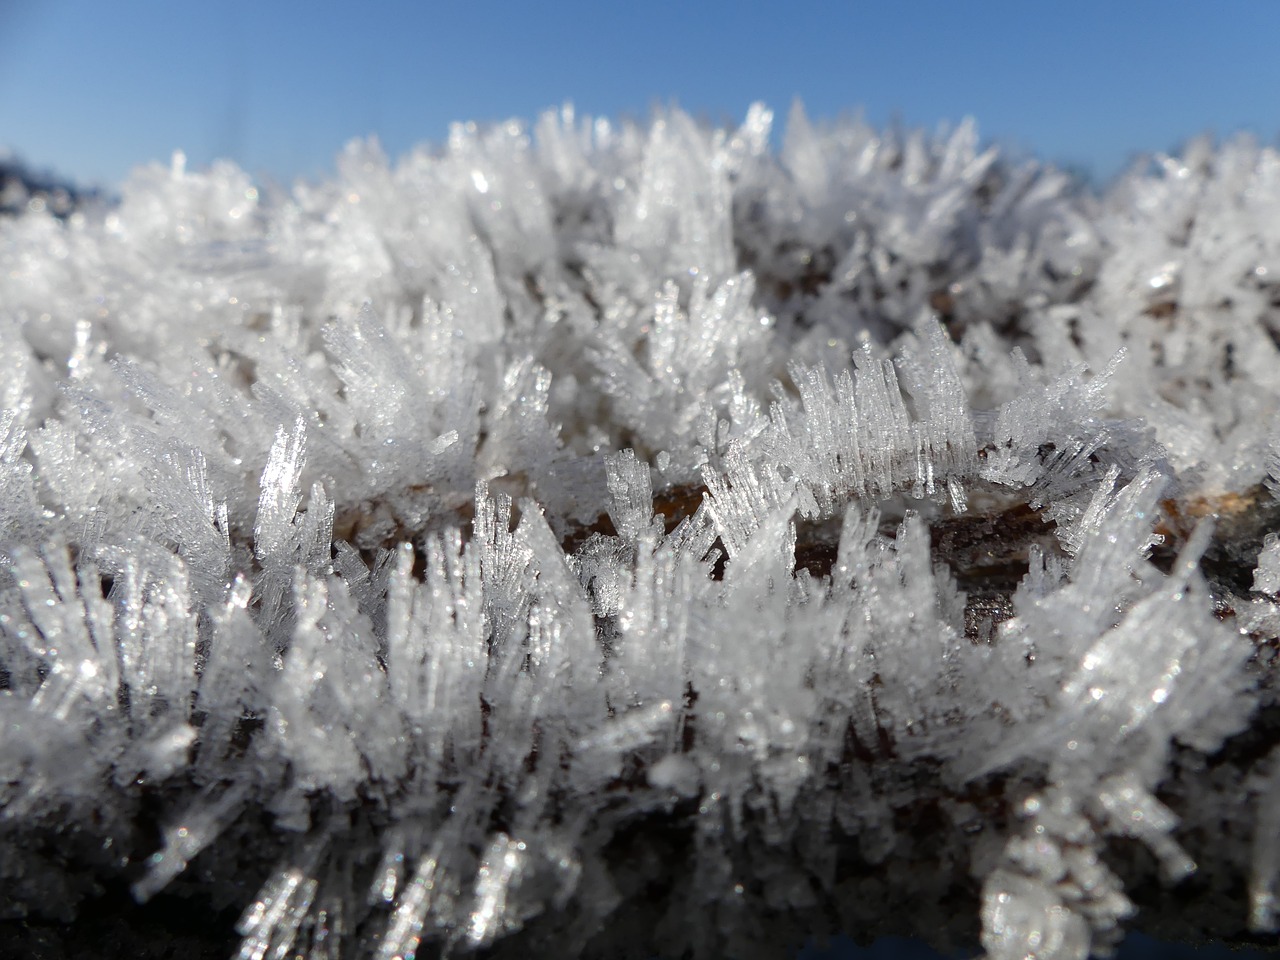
[{"x": 452, "y": 518}]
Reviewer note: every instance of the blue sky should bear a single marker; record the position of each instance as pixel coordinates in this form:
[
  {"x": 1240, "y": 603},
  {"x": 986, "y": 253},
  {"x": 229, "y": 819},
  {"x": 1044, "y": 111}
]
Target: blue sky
[{"x": 91, "y": 88}]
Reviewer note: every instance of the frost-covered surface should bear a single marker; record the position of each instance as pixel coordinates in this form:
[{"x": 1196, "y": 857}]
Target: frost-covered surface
[{"x": 608, "y": 539}]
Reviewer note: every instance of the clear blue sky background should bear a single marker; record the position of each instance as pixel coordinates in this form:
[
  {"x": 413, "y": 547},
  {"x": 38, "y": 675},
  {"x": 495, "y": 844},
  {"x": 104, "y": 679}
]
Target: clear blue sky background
[{"x": 90, "y": 88}]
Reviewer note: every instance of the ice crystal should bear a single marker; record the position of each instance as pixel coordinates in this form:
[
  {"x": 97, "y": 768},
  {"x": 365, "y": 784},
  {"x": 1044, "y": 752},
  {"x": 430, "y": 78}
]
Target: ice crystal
[{"x": 492, "y": 538}]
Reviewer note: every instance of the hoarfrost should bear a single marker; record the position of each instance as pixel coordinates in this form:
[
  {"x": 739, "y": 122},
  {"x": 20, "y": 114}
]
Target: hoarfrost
[{"x": 493, "y": 537}]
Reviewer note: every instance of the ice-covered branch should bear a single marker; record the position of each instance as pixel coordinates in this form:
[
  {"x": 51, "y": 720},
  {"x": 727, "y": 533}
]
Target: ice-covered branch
[{"x": 621, "y": 538}]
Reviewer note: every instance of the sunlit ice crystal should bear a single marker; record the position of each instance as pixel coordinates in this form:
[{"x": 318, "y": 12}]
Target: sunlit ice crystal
[{"x": 589, "y": 537}]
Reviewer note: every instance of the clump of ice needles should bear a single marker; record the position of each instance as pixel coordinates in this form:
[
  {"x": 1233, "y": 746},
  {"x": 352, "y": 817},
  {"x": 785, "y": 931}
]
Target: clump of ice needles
[{"x": 491, "y": 539}]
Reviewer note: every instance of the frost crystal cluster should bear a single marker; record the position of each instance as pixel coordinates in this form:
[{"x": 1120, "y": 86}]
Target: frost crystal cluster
[{"x": 636, "y": 540}]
